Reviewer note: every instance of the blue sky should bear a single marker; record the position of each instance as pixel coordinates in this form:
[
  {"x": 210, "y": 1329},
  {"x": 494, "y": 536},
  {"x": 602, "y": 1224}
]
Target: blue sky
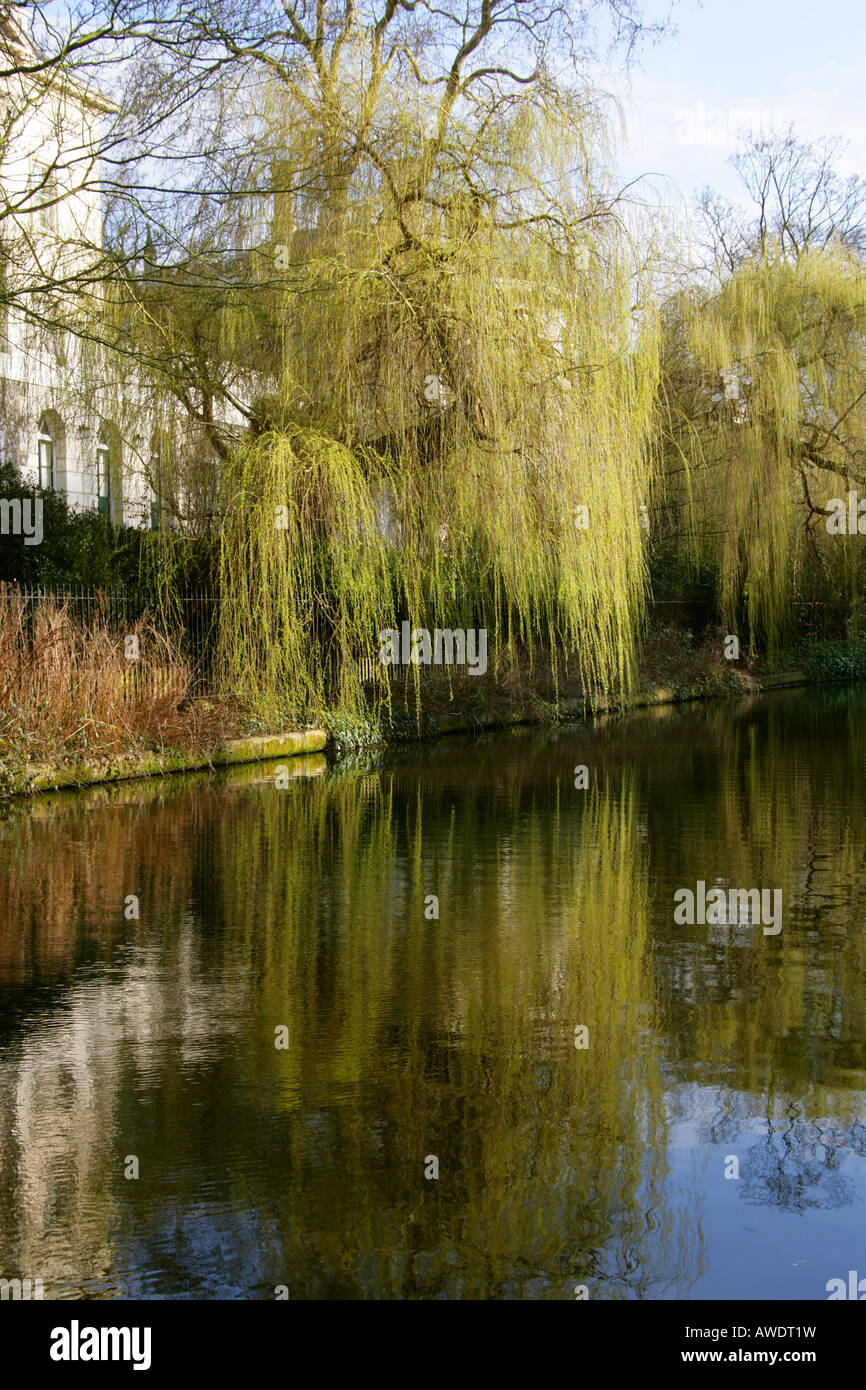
[{"x": 769, "y": 62}]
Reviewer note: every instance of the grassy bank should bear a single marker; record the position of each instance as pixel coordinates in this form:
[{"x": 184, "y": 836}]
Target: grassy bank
[{"x": 51, "y": 739}]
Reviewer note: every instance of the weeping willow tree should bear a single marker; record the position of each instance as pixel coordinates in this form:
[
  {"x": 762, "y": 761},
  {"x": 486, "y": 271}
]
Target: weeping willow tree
[
  {"x": 405, "y": 322},
  {"x": 766, "y": 416},
  {"x": 458, "y": 433}
]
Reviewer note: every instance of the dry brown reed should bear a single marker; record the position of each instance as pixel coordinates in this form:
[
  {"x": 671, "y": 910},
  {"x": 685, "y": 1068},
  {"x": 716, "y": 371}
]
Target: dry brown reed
[{"x": 64, "y": 683}]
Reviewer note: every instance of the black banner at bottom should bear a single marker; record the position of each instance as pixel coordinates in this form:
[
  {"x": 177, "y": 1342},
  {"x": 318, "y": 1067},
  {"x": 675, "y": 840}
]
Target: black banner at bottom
[{"x": 63, "y": 1339}]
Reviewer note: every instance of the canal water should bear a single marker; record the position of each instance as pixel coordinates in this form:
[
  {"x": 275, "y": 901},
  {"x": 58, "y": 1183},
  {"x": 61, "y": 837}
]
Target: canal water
[{"x": 424, "y": 1025}]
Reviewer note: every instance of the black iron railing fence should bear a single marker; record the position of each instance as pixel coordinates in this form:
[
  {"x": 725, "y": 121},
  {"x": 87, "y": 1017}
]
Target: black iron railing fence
[
  {"x": 183, "y": 637},
  {"x": 155, "y": 643}
]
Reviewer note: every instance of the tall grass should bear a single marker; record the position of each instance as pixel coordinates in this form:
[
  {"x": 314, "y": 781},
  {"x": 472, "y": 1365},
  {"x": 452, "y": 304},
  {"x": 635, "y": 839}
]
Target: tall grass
[{"x": 68, "y": 684}]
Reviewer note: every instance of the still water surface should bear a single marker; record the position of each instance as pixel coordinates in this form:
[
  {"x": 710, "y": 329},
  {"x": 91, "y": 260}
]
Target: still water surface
[{"x": 412, "y": 1038}]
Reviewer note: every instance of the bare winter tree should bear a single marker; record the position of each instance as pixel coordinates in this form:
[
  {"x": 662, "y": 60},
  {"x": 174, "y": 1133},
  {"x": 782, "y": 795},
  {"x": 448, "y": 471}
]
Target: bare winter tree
[
  {"x": 797, "y": 199},
  {"x": 72, "y": 128}
]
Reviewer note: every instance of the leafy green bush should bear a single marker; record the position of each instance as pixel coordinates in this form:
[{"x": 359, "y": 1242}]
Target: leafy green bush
[
  {"x": 76, "y": 547},
  {"x": 839, "y": 659},
  {"x": 352, "y": 732},
  {"x": 85, "y": 548}
]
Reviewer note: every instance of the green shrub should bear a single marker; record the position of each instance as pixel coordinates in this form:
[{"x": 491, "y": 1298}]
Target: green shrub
[
  {"x": 830, "y": 659},
  {"x": 85, "y": 548}
]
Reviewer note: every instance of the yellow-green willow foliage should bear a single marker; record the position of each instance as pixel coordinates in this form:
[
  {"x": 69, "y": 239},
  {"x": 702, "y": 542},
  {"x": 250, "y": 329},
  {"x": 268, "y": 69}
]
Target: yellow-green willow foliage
[
  {"x": 458, "y": 377},
  {"x": 768, "y": 424}
]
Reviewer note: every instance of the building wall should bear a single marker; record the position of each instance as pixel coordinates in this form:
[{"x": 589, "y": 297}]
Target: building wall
[{"x": 50, "y": 229}]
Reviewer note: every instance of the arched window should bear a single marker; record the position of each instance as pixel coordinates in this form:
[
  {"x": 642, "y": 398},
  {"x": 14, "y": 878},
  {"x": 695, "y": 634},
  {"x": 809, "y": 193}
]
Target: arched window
[
  {"x": 154, "y": 488},
  {"x": 103, "y": 477},
  {"x": 45, "y": 443},
  {"x": 109, "y": 499},
  {"x": 51, "y": 450},
  {"x": 45, "y": 197}
]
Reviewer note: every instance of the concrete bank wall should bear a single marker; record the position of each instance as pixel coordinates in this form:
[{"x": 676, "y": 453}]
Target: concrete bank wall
[{"x": 240, "y": 750}]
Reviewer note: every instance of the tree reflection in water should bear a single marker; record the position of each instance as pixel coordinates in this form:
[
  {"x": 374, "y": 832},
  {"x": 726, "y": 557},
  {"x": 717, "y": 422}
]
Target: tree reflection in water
[{"x": 304, "y": 907}]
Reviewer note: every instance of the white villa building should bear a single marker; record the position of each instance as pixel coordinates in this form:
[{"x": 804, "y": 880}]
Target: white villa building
[{"x": 58, "y": 424}]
